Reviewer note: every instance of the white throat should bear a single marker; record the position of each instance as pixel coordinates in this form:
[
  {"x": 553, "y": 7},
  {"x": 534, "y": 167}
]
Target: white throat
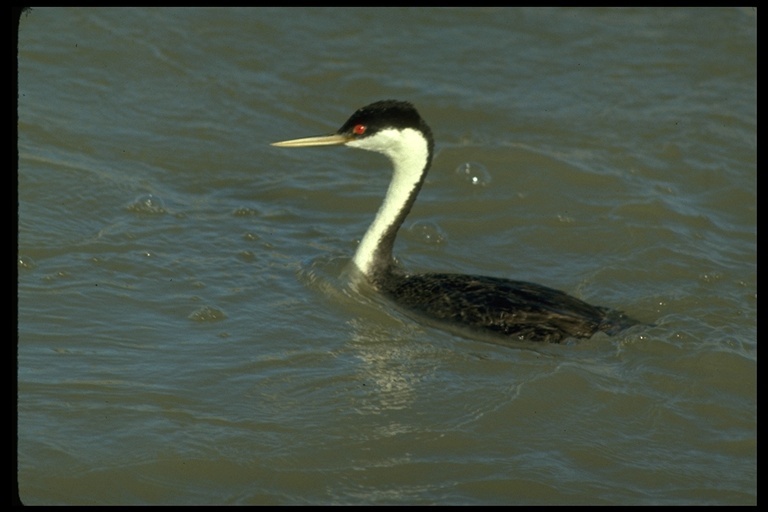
[{"x": 409, "y": 152}]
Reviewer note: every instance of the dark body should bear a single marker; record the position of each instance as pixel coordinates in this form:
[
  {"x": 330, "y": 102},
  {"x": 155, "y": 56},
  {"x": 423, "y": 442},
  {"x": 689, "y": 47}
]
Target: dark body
[{"x": 501, "y": 307}]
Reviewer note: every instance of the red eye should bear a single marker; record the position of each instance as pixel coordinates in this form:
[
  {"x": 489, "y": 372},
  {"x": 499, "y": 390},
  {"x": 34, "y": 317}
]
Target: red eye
[{"x": 359, "y": 129}]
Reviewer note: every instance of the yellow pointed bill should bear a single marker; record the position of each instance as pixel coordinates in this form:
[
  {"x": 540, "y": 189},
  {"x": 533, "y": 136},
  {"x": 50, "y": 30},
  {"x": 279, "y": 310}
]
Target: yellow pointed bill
[{"x": 323, "y": 140}]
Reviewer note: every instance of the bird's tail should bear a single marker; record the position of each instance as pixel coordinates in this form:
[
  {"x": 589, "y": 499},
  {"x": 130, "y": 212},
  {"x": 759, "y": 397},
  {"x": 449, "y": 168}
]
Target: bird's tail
[{"x": 616, "y": 321}]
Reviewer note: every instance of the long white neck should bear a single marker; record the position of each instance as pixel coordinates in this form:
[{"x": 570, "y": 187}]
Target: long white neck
[{"x": 409, "y": 152}]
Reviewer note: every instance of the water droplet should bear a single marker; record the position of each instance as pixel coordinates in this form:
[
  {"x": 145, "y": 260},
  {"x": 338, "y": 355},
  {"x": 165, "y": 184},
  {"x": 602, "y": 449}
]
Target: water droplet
[
  {"x": 148, "y": 203},
  {"x": 474, "y": 173},
  {"x": 207, "y": 314},
  {"x": 427, "y": 232},
  {"x": 26, "y": 262}
]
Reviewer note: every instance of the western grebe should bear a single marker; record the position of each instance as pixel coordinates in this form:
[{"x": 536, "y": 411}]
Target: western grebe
[{"x": 486, "y": 305}]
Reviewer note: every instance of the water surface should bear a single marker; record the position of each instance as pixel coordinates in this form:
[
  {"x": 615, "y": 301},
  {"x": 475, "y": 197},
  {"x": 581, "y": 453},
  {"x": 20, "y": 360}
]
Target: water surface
[{"x": 184, "y": 332}]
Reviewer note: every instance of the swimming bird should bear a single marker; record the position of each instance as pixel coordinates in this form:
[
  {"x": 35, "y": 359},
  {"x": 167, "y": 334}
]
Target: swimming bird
[{"x": 487, "y": 306}]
